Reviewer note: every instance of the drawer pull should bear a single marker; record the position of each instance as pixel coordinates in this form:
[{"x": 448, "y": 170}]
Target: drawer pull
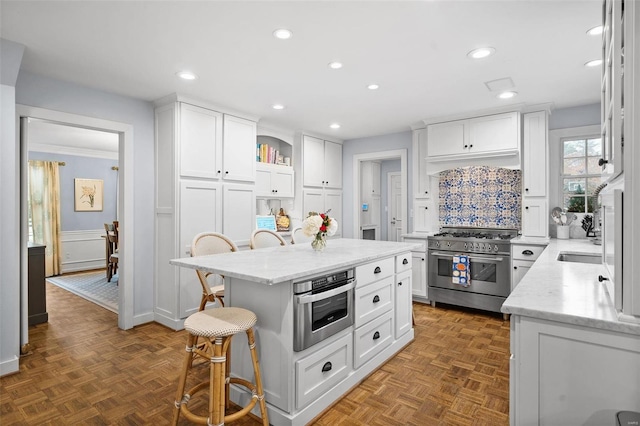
[
  {"x": 377, "y": 270},
  {"x": 376, "y": 335},
  {"x": 326, "y": 367},
  {"x": 405, "y": 261},
  {"x": 376, "y": 299},
  {"x": 528, "y": 252}
]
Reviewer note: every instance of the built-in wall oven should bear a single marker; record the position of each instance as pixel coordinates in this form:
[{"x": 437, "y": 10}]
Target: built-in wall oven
[
  {"x": 489, "y": 254},
  {"x": 322, "y": 307}
]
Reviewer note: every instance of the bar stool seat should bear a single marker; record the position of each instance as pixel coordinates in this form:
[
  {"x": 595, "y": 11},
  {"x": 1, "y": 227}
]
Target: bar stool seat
[{"x": 217, "y": 327}]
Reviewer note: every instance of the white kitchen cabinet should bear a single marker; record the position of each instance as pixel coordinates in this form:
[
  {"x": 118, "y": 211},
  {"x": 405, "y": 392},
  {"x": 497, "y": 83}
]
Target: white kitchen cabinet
[
  {"x": 419, "y": 288},
  {"x": 373, "y": 299},
  {"x": 239, "y": 212},
  {"x": 523, "y": 256},
  {"x": 323, "y": 200},
  {"x": 425, "y": 216},
  {"x": 534, "y": 217},
  {"x": 239, "y": 149},
  {"x": 403, "y": 307},
  {"x": 370, "y": 179},
  {"x": 194, "y": 194},
  {"x": 491, "y": 135},
  {"x": 535, "y": 175},
  {"x": 564, "y": 374},
  {"x": 322, "y": 163},
  {"x": 423, "y": 186},
  {"x": 372, "y": 338},
  {"x": 274, "y": 181}
]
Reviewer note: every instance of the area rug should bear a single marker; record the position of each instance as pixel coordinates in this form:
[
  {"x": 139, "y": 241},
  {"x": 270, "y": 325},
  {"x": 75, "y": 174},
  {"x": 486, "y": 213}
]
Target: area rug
[{"x": 92, "y": 286}]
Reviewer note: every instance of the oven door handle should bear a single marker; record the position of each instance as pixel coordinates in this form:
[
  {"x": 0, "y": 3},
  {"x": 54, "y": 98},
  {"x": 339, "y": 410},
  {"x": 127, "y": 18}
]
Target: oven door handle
[
  {"x": 487, "y": 259},
  {"x": 309, "y": 298}
]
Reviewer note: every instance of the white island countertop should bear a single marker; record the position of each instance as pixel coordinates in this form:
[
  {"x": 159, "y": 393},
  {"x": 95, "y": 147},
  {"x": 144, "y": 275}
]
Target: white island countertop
[
  {"x": 567, "y": 292},
  {"x": 285, "y": 263}
]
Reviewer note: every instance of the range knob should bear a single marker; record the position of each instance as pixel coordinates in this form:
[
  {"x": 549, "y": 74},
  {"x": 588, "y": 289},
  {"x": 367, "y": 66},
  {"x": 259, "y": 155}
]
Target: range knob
[
  {"x": 448, "y": 243},
  {"x": 495, "y": 248},
  {"x": 465, "y": 246}
]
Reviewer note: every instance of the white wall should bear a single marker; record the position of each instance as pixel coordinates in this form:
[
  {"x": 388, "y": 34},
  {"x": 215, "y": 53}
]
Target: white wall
[
  {"x": 353, "y": 147},
  {"x": 57, "y": 95},
  {"x": 10, "y": 59}
]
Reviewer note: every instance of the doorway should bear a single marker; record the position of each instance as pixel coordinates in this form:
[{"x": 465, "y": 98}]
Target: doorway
[
  {"x": 124, "y": 197},
  {"x": 400, "y": 227}
]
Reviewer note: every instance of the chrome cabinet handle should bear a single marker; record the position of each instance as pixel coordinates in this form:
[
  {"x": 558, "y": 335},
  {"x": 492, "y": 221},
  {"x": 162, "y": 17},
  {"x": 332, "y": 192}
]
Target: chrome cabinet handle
[{"x": 303, "y": 299}]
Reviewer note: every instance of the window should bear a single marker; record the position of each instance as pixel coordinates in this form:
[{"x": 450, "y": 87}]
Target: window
[{"x": 580, "y": 172}]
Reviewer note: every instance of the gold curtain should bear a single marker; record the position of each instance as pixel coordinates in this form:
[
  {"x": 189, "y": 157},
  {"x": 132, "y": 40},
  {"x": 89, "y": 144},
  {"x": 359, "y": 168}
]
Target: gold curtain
[{"x": 44, "y": 203}]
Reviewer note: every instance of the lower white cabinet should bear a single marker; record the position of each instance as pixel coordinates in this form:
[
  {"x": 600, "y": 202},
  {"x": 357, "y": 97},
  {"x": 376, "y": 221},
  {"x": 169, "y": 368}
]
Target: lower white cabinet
[
  {"x": 372, "y": 338},
  {"x": 523, "y": 257},
  {"x": 372, "y": 300},
  {"x": 318, "y": 373},
  {"x": 419, "y": 263},
  {"x": 403, "y": 308},
  {"x": 565, "y": 374},
  {"x": 239, "y": 207},
  {"x": 322, "y": 200}
]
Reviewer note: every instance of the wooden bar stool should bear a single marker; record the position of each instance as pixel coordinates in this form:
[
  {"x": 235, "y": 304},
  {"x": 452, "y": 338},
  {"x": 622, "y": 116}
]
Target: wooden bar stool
[{"x": 217, "y": 327}]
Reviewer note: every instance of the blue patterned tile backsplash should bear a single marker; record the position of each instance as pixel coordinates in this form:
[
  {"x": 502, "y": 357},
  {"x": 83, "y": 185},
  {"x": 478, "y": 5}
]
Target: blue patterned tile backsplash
[{"x": 480, "y": 196}]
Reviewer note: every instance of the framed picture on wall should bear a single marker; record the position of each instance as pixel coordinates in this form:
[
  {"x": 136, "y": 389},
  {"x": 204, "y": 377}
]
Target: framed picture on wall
[{"x": 89, "y": 195}]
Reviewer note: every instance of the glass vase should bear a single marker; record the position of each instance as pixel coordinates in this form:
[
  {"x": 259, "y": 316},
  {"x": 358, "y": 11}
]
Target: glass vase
[{"x": 319, "y": 243}]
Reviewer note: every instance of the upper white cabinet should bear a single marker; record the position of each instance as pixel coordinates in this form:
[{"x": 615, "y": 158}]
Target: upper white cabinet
[
  {"x": 274, "y": 181},
  {"x": 239, "y": 150},
  {"x": 370, "y": 171},
  {"x": 497, "y": 134},
  {"x": 321, "y": 163},
  {"x": 422, "y": 189},
  {"x": 535, "y": 217}
]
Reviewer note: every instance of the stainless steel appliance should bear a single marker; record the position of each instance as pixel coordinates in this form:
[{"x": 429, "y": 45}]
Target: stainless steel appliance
[
  {"x": 322, "y": 306},
  {"x": 489, "y": 252}
]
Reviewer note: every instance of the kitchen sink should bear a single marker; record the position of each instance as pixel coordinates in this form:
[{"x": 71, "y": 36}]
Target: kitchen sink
[{"x": 566, "y": 256}]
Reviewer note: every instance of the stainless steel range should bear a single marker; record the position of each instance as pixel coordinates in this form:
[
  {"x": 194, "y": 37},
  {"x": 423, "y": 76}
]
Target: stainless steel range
[{"x": 489, "y": 252}]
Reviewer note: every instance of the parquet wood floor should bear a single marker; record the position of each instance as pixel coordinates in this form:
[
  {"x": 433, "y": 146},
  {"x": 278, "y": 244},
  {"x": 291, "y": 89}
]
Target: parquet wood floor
[{"x": 84, "y": 370}]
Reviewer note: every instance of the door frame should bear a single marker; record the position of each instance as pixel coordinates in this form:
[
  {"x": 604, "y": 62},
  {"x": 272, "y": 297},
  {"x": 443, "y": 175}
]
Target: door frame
[
  {"x": 125, "y": 205},
  {"x": 390, "y": 191},
  {"x": 379, "y": 156}
]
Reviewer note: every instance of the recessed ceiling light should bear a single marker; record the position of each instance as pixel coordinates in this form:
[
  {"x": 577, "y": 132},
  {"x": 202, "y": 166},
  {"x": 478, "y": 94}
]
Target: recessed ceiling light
[
  {"x": 373, "y": 87},
  {"x": 595, "y": 30},
  {"x": 186, "y": 75},
  {"x": 277, "y": 106},
  {"x": 481, "y": 52},
  {"x": 335, "y": 65},
  {"x": 507, "y": 95},
  {"x": 594, "y": 63},
  {"x": 282, "y": 33},
  {"x": 335, "y": 126}
]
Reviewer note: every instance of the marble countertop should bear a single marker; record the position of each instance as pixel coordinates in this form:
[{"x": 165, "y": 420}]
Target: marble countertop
[
  {"x": 567, "y": 292},
  {"x": 541, "y": 241},
  {"x": 279, "y": 264}
]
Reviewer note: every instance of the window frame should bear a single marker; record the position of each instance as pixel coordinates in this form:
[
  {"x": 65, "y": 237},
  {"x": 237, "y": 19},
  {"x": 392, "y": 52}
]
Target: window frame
[{"x": 578, "y": 136}]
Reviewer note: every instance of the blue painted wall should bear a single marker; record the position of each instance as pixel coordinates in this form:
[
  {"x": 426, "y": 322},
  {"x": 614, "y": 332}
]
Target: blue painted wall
[{"x": 84, "y": 168}]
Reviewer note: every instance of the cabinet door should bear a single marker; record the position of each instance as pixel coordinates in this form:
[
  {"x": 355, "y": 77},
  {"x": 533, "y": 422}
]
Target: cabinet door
[
  {"x": 520, "y": 268},
  {"x": 200, "y": 211},
  {"x": 239, "y": 149},
  {"x": 332, "y": 165},
  {"x": 535, "y": 154},
  {"x": 422, "y": 216},
  {"x": 200, "y": 142},
  {"x": 333, "y": 204},
  {"x": 313, "y": 201},
  {"x": 420, "y": 163},
  {"x": 534, "y": 217},
  {"x": 366, "y": 181},
  {"x": 375, "y": 178},
  {"x": 239, "y": 213},
  {"x": 403, "y": 306},
  {"x": 282, "y": 183},
  {"x": 313, "y": 161},
  {"x": 419, "y": 274},
  {"x": 446, "y": 138},
  {"x": 494, "y": 133},
  {"x": 263, "y": 183}
]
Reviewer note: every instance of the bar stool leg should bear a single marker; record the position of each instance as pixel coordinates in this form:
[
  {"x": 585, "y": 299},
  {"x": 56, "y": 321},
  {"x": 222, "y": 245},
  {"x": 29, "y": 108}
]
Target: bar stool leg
[
  {"x": 217, "y": 380},
  {"x": 186, "y": 366},
  {"x": 258, "y": 377}
]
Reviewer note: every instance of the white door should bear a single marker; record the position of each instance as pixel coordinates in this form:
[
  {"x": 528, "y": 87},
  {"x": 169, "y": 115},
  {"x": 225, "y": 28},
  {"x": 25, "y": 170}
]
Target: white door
[{"x": 394, "y": 227}]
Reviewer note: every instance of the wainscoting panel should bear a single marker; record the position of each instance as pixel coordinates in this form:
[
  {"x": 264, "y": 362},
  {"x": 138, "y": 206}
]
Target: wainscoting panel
[{"x": 83, "y": 250}]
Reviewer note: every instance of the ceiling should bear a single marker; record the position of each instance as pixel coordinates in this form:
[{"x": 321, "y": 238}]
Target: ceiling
[{"x": 415, "y": 51}]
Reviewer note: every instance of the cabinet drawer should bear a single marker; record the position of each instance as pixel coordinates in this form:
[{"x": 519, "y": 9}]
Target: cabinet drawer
[
  {"x": 371, "y": 339},
  {"x": 374, "y": 271},
  {"x": 403, "y": 263},
  {"x": 526, "y": 252},
  {"x": 373, "y": 300},
  {"x": 319, "y": 372}
]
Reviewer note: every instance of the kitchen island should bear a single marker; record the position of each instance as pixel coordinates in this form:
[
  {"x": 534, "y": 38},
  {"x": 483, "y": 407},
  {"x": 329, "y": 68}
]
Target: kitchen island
[
  {"x": 299, "y": 385},
  {"x": 572, "y": 360}
]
